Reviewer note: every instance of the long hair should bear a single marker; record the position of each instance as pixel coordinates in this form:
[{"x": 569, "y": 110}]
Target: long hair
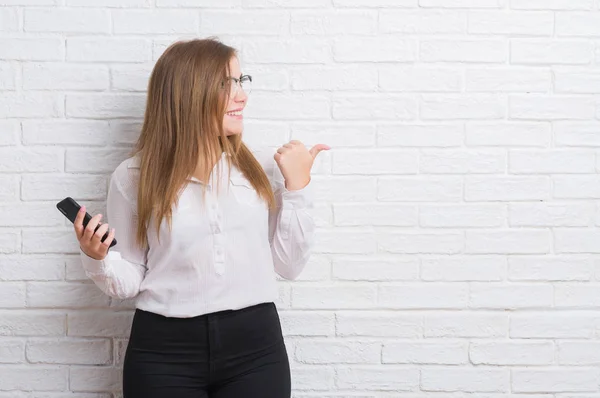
[{"x": 188, "y": 93}]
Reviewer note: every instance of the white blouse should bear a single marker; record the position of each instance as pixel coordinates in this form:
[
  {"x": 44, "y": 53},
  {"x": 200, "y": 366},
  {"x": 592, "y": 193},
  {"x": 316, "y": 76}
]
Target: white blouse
[{"x": 220, "y": 254}]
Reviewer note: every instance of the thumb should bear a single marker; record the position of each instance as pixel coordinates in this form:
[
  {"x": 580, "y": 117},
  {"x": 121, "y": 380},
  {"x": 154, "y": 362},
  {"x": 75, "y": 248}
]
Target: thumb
[{"x": 314, "y": 151}]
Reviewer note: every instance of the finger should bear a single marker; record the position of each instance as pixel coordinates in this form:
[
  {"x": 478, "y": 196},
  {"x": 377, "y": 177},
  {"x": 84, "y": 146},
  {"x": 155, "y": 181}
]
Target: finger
[
  {"x": 78, "y": 223},
  {"x": 277, "y": 157},
  {"x": 97, "y": 238},
  {"x": 283, "y": 149},
  {"x": 295, "y": 142},
  {"x": 288, "y": 145},
  {"x": 314, "y": 151},
  {"x": 88, "y": 233},
  {"x": 109, "y": 238}
]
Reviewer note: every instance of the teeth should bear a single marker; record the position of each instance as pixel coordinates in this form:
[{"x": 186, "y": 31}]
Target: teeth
[{"x": 236, "y": 113}]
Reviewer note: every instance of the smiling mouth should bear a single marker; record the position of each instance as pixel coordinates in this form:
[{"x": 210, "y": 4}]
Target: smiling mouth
[{"x": 238, "y": 112}]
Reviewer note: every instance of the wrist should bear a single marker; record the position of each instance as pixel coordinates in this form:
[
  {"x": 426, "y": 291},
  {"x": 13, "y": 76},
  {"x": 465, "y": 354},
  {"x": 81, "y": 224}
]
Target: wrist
[{"x": 296, "y": 185}]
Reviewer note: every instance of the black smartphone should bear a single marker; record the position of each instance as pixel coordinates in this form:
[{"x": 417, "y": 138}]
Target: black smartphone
[{"x": 69, "y": 207}]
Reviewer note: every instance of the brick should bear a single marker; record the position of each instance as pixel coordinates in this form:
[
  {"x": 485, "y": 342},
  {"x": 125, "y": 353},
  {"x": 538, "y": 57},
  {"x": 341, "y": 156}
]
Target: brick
[
  {"x": 335, "y": 134},
  {"x": 387, "y": 378},
  {"x": 31, "y": 323},
  {"x": 552, "y": 4},
  {"x": 378, "y": 324},
  {"x": 31, "y": 104},
  {"x": 420, "y": 189},
  {"x": 578, "y": 353},
  {"x": 436, "y": 107},
  {"x": 485, "y": 215},
  {"x": 343, "y": 189},
  {"x": 312, "y": 378},
  {"x": 9, "y": 20},
  {"x": 54, "y": 76},
  {"x": 466, "y": 324},
  {"x": 39, "y": 160},
  {"x": 369, "y": 107},
  {"x": 576, "y": 240},
  {"x": 428, "y": 296},
  {"x": 523, "y": 23},
  {"x": 576, "y": 187},
  {"x": 507, "y": 188},
  {"x": 512, "y": 353},
  {"x": 430, "y": 352},
  {"x": 95, "y": 378},
  {"x": 31, "y": 269},
  {"x": 49, "y": 241},
  {"x": 311, "y": 351},
  {"x": 12, "y": 295},
  {"x": 517, "y": 134},
  {"x": 465, "y": 379},
  {"x": 71, "y": 352},
  {"x": 8, "y": 74},
  {"x": 457, "y": 269},
  {"x": 29, "y": 215},
  {"x": 421, "y": 241},
  {"x": 83, "y": 160},
  {"x": 513, "y": 79},
  {"x": 426, "y": 135},
  {"x": 154, "y": 21},
  {"x": 328, "y": 23},
  {"x": 65, "y": 132},
  {"x": 450, "y": 161},
  {"x": 124, "y": 132},
  {"x": 554, "y": 380},
  {"x": 296, "y": 323},
  {"x": 376, "y": 3},
  {"x": 374, "y": 49},
  {"x": 57, "y": 187},
  {"x": 521, "y": 241},
  {"x": 344, "y": 242},
  {"x": 10, "y": 242},
  {"x": 105, "y": 105},
  {"x": 551, "y": 161},
  {"x": 305, "y": 51},
  {"x": 32, "y": 49},
  {"x": 550, "y": 108},
  {"x": 423, "y": 22},
  {"x": 18, "y": 377},
  {"x": 130, "y": 77},
  {"x": 576, "y": 296},
  {"x": 550, "y": 215},
  {"x": 100, "y": 323},
  {"x": 550, "y": 52},
  {"x": 91, "y": 49},
  {"x": 295, "y": 106},
  {"x": 380, "y": 161},
  {"x": 271, "y": 3},
  {"x": 65, "y": 295},
  {"x": 377, "y": 214},
  {"x": 420, "y": 79},
  {"x": 555, "y": 325},
  {"x": 67, "y": 20},
  {"x": 334, "y": 79},
  {"x": 400, "y": 269},
  {"x": 462, "y": 3},
  {"x": 9, "y": 188},
  {"x": 347, "y": 296},
  {"x": 12, "y": 351},
  {"x": 576, "y": 82},
  {"x": 577, "y": 24},
  {"x": 508, "y": 297},
  {"x": 111, "y": 3},
  {"x": 446, "y": 50},
  {"x": 9, "y": 133},
  {"x": 559, "y": 268}
]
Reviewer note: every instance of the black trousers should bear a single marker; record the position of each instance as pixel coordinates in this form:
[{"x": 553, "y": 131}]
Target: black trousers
[{"x": 228, "y": 354}]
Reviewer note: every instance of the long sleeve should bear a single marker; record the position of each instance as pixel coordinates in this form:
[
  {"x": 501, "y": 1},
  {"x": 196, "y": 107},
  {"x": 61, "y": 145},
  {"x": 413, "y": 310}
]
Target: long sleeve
[
  {"x": 121, "y": 272},
  {"x": 291, "y": 228}
]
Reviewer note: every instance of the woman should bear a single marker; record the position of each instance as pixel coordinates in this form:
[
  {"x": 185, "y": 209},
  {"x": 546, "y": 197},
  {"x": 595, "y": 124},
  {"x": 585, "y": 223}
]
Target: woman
[{"x": 202, "y": 224}]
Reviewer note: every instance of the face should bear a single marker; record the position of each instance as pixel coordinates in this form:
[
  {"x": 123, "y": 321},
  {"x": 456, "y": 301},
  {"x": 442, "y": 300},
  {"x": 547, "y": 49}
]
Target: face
[{"x": 233, "y": 121}]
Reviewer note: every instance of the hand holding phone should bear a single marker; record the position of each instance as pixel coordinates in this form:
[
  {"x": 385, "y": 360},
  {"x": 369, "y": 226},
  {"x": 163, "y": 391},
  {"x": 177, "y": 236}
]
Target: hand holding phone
[{"x": 94, "y": 237}]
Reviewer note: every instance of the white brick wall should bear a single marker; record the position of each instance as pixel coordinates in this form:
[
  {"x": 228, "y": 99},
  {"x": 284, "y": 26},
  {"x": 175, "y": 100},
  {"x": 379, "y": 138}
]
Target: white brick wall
[{"x": 458, "y": 216}]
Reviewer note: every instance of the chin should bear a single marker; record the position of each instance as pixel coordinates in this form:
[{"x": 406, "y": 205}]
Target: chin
[{"x": 233, "y": 132}]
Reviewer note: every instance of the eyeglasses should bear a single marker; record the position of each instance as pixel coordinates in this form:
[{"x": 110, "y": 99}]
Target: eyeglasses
[{"x": 244, "y": 82}]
